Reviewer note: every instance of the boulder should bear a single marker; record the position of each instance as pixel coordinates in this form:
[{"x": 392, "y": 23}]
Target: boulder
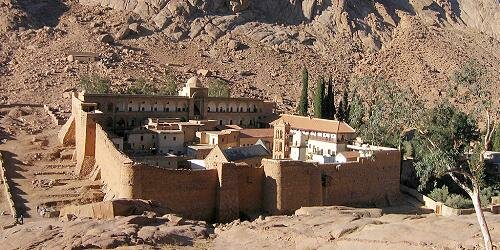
[
  {"x": 123, "y": 33},
  {"x": 106, "y": 38},
  {"x": 234, "y": 45},
  {"x": 135, "y": 27},
  {"x": 163, "y": 18},
  {"x": 213, "y": 31},
  {"x": 179, "y": 7}
]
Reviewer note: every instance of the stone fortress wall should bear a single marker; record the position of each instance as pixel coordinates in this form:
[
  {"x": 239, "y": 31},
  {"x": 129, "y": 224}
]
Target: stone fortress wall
[
  {"x": 229, "y": 190},
  {"x": 232, "y": 190}
]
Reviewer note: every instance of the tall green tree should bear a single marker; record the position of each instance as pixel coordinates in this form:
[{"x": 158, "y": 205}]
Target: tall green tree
[
  {"x": 95, "y": 84},
  {"x": 304, "y": 99},
  {"x": 334, "y": 109},
  {"x": 340, "y": 111},
  {"x": 388, "y": 110},
  {"x": 496, "y": 140},
  {"x": 170, "y": 86},
  {"x": 319, "y": 109},
  {"x": 218, "y": 88},
  {"x": 328, "y": 101},
  {"x": 346, "y": 106},
  {"x": 356, "y": 111},
  {"x": 449, "y": 153}
]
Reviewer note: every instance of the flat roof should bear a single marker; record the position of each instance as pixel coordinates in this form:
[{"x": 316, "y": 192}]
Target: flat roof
[{"x": 315, "y": 124}]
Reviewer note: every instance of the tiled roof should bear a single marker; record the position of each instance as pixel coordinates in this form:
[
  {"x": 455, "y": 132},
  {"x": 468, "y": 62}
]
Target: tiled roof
[
  {"x": 257, "y": 133},
  {"x": 241, "y": 153},
  {"x": 350, "y": 154},
  {"x": 315, "y": 124}
]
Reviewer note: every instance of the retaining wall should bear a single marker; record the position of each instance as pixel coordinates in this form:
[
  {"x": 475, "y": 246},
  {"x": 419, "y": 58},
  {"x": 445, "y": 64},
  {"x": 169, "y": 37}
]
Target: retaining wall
[{"x": 7, "y": 188}]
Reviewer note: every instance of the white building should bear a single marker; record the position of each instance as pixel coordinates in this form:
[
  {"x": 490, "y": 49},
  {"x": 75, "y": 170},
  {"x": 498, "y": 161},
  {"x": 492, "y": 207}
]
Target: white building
[{"x": 305, "y": 138}]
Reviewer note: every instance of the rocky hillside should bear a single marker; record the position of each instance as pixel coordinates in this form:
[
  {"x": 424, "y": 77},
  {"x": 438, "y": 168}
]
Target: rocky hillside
[{"x": 258, "y": 46}]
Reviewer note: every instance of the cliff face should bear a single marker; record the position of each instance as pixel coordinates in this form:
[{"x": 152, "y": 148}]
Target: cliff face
[{"x": 371, "y": 22}]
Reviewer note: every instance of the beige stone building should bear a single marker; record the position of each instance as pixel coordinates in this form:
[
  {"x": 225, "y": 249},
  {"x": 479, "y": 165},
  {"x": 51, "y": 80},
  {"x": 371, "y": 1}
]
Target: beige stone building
[{"x": 306, "y": 138}]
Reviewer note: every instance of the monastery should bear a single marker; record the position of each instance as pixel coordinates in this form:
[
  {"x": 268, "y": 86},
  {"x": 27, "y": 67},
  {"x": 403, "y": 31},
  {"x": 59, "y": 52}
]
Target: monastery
[{"x": 218, "y": 159}]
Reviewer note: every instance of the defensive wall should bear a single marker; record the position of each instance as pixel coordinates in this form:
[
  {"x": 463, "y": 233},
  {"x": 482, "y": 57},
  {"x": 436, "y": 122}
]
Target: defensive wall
[
  {"x": 193, "y": 194},
  {"x": 289, "y": 185},
  {"x": 231, "y": 190}
]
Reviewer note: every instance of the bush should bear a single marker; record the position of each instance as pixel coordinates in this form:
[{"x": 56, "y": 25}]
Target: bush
[
  {"x": 486, "y": 194},
  {"x": 141, "y": 87},
  {"x": 439, "y": 194},
  {"x": 218, "y": 88},
  {"x": 94, "y": 84},
  {"x": 458, "y": 201},
  {"x": 170, "y": 86}
]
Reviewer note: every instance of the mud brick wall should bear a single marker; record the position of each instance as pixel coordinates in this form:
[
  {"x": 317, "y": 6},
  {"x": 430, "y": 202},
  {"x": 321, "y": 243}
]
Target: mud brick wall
[
  {"x": 290, "y": 185},
  {"x": 191, "y": 194},
  {"x": 250, "y": 189},
  {"x": 227, "y": 195},
  {"x": 116, "y": 168},
  {"x": 367, "y": 182}
]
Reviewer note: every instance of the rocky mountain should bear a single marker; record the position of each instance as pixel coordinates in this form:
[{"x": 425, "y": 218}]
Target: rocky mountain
[{"x": 258, "y": 46}]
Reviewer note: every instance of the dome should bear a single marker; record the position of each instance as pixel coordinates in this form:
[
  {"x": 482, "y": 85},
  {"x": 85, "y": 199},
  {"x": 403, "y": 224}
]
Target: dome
[{"x": 193, "y": 82}]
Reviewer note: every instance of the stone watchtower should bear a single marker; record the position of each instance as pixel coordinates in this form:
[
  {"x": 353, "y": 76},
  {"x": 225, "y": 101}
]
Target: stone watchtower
[{"x": 281, "y": 140}]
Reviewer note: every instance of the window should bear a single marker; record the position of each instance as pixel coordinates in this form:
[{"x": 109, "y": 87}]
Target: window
[
  {"x": 231, "y": 109},
  {"x": 230, "y": 122},
  {"x": 208, "y": 109},
  {"x": 167, "y": 109},
  {"x": 129, "y": 108},
  {"x": 156, "y": 109},
  {"x": 142, "y": 138},
  {"x": 142, "y": 109},
  {"x": 142, "y": 146},
  {"x": 174, "y": 138},
  {"x": 153, "y": 136},
  {"x": 165, "y": 137}
]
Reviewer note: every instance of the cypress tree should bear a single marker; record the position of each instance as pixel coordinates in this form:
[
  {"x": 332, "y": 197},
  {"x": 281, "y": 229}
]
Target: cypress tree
[
  {"x": 318, "y": 98},
  {"x": 334, "y": 109},
  {"x": 346, "y": 106},
  {"x": 327, "y": 101},
  {"x": 340, "y": 111},
  {"x": 303, "y": 102}
]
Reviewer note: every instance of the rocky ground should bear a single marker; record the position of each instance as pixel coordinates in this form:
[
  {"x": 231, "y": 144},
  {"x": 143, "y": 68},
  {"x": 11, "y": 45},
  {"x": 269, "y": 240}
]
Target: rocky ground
[{"x": 355, "y": 228}]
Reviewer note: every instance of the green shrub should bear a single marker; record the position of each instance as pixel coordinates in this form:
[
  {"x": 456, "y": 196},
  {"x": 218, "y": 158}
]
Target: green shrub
[
  {"x": 458, "y": 201},
  {"x": 439, "y": 194},
  {"x": 218, "y": 88},
  {"x": 486, "y": 194},
  {"x": 94, "y": 84}
]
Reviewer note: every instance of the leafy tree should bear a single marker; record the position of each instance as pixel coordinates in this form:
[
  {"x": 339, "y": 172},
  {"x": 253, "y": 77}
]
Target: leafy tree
[
  {"x": 170, "y": 87},
  {"x": 141, "y": 87},
  {"x": 444, "y": 148},
  {"x": 328, "y": 101},
  {"x": 304, "y": 102},
  {"x": 319, "y": 109},
  {"x": 218, "y": 88},
  {"x": 356, "y": 111},
  {"x": 94, "y": 84},
  {"x": 496, "y": 140},
  {"x": 388, "y": 110}
]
